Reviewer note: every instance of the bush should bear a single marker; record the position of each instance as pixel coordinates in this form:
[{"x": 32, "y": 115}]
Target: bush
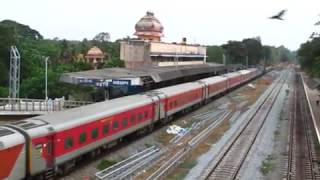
[
  {"x": 267, "y": 165},
  {"x": 4, "y": 92},
  {"x": 105, "y": 164}
]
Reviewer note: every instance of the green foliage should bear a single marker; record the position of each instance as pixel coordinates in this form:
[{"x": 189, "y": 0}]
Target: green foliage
[
  {"x": 188, "y": 164},
  {"x": 22, "y": 31},
  {"x": 215, "y": 54},
  {"x": 267, "y": 165},
  {"x": 267, "y": 54},
  {"x": 254, "y": 50},
  {"x": 105, "y": 164},
  {"x": 236, "y": 52},
  {"x": 114, "y": 62},
  {"x": 285, "y": 54},
  {"x": 102, "y": 37},
  {"x": 68, "y": 56},
  {"x": 64, "y": 56},
  {"x": 309, "y": 56},
  {"x": 4, "y": 92},
  {"x": 7, "y": 39}
]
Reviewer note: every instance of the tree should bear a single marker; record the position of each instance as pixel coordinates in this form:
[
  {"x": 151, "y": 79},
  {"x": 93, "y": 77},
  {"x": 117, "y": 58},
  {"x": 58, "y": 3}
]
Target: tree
[
  {"x": 236, "y": 52},
  {"x": 66, "y": 54},
  {"x": 309, "y": 56},
  {"x": 102, "y": 37},
  {"x": 114, "y": 62},
  {"x": 84, "y": 46},
  {"x": 22, "y": 31},
  {"x": 266, "y": 53},
  {"x": 254, "y": 50},
  {"x": 7, "y": 39},
  {"x": 285, "y": 54},
  {"x": 215, "y": 54}
]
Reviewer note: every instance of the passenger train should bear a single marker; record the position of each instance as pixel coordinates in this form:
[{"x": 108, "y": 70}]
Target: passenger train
[{"x": 51, "y": 144}]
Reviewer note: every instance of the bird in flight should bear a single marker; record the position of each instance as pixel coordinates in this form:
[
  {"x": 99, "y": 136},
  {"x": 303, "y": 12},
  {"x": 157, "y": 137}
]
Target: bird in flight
[{"x": 279, "y": 15}]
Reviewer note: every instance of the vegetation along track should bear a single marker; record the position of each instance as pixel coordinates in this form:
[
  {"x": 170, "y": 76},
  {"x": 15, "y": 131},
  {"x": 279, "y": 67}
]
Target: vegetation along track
[
  {"x": 229, "y": 161},
  {"x": 302, "y": 155}
]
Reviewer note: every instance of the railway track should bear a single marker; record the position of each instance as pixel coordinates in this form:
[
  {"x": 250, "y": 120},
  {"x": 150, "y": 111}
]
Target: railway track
[
  {"x": 301, "y": 153},
  {"x": 183, "y": 152},
  {"x": 229, "y": 162},
  {"x": 128, "y": 167}
]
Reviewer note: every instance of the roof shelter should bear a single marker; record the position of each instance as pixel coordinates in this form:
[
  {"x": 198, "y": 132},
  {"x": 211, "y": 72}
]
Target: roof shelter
[{"x": 142, "y": 76}]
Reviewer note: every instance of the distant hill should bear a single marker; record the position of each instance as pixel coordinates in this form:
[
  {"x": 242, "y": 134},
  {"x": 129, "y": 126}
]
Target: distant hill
[{"x": 21, "y": 30}]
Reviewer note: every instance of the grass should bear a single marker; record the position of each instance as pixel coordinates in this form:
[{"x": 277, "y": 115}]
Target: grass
[
  {"x": 188, "y": 164},
  {"x": 147, "y": 145},
  {"x": 182, "y": 170},
  {"x": 267, "y": 165},
  {"x": 317, "y": 146},
  {"x": 105, "y": 164}
]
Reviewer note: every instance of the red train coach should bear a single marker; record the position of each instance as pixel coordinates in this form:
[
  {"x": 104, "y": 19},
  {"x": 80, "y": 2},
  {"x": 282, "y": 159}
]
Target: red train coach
[
  {"x": 55, "y": 142},
  {"x": 12, "y": 156},
  {"x": 182, "y": 96},
  {"x": 84, "y": 129},
  {"x": 214, "y": 85},
  {"x": 234, "y": 79}
]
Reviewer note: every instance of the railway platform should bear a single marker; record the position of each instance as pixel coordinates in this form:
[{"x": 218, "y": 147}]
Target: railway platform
[{"x": 313, "y": 98}]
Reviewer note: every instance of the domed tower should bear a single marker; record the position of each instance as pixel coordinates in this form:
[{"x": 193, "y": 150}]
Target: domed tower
[
  {"x": 96, "y": 57},
  {"x": 149, "y": 28}
]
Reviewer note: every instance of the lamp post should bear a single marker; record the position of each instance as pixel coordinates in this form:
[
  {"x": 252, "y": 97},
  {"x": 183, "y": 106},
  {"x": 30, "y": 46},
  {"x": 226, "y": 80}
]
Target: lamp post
[
  {"x": 247, "y": 61},
  {"x": 46, "y": 81}
]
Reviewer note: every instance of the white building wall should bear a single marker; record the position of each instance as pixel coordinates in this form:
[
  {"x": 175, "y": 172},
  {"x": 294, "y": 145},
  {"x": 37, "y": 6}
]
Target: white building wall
[{"x": 160, "y": 47}]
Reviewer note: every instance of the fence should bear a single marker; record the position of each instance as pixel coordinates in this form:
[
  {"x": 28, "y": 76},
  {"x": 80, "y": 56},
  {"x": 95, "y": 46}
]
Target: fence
[{"x": 22, "y": 104}]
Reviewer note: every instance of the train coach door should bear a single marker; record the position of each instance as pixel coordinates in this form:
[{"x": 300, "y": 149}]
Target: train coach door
[
  {"x": 48, "y": 151},
  {"x": 203, "y": 90}
]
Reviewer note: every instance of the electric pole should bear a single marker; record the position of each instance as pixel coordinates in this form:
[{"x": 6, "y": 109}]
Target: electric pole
[{"x": 14, "y": 74}]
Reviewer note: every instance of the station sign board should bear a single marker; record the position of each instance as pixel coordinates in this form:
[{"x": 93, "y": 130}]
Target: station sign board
[
  {"x": 121, "y": 82},
  {"x": 104, "y": 83}
]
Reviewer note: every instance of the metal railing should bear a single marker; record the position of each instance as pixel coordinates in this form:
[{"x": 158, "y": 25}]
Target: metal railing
[{"x": 22, "y": 104}]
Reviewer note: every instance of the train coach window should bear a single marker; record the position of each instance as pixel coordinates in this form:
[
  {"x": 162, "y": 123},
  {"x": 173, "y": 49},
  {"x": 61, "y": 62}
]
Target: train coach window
[
  {"x": 175, "y": 103},
  {"x": 146, "y": 114},
  {"x": 68, "y": 142},
  {"x": 82, "y": 137},
  {"x": 94, "y": 133},
  {"x": 124, "y": 122},
  {"x": 171, "y": 104},
  {"x": 133, "y": 118},
  {"x": 105, "y": 128},
  {"x": 115, "y": 125}
]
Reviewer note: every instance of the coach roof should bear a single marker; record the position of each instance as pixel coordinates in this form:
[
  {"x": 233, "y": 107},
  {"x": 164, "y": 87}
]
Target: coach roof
[{"x": 77, "y": 116}]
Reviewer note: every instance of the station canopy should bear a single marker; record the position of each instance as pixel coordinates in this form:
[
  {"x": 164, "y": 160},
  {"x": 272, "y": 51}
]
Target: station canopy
[{"x": 157, "y": 74}]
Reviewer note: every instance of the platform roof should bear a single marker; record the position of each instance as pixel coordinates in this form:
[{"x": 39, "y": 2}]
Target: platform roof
[{"x": 158, "y": 74}]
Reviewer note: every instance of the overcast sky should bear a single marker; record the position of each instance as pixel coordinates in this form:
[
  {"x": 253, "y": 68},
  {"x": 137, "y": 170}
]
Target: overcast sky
[{"x": 208, "y": 22}]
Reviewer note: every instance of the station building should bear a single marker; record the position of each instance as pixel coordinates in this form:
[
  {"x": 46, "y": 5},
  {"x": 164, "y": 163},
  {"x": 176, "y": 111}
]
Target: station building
[
  {"x": 150, "y": 63},
  {"x": 148, "y": 49}
]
